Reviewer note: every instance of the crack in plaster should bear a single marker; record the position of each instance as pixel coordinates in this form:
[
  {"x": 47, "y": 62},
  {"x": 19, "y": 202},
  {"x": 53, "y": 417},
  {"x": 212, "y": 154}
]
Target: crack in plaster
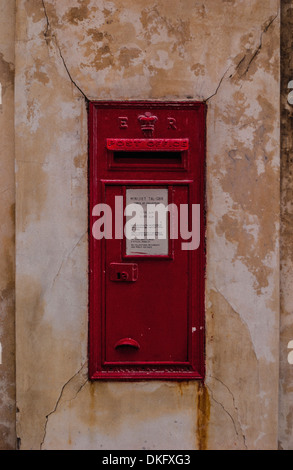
[
  {"x": 48, "y": 35},
  {"x": 257, "y": 51},
  {"x": 222, "y": 406},
  {"x": 235, "y": 407},
  {"x": 217, "y": 89},
  {"x": 237, "y": 313},
  {"x": 60, "y": 397},
  {"x": 64, "y": 260},
  {"x": 253, "y": 57}
]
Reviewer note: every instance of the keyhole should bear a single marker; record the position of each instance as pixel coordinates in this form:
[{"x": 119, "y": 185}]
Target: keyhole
[{"x": 122, "y": 276}]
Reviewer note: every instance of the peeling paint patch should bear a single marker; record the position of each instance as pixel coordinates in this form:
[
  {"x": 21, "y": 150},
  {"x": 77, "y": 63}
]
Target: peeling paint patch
[
  {"x": 34, "y": 10},
  {"x": 128, "y": 55},
  {"x": 79, "y": 13},
  {"x": 6, "y": 70}
]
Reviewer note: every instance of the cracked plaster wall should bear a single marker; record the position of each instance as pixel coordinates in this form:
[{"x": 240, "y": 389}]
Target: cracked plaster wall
[{"x": 227, "y": 53}]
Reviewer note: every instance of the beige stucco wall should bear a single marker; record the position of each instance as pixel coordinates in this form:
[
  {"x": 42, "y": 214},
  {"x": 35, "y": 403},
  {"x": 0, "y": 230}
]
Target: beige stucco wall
[
  {"x": 7, "y": 245},
  {"x": 224, "y": 52}
]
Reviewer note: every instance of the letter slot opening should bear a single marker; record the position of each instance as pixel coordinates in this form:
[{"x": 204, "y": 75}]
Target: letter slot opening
[{"x": 147, "y": 158}]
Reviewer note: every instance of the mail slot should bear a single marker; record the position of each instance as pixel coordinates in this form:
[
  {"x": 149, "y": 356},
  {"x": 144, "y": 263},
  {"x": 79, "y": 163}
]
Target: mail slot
[{"x": 147, "y": 240}]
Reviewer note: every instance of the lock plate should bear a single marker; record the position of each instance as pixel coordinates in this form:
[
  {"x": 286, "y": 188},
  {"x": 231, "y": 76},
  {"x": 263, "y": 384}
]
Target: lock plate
[{"x": 123, "y": 272}]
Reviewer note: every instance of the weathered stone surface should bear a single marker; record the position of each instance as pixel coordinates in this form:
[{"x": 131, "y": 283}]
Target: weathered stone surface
[
  {"x": 220, "y": 52},
  {"x": 7, "y": 232},
  {"x": 286, "y": 333}
]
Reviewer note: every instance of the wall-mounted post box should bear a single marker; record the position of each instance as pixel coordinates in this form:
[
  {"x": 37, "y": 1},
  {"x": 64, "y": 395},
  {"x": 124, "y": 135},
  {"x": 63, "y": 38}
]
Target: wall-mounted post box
[{"x": 146, "y": 254}]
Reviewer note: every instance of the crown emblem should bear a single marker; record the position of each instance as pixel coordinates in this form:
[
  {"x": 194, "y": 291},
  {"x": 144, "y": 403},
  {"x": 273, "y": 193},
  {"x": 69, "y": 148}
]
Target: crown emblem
[{"x": 147, "y": 123}]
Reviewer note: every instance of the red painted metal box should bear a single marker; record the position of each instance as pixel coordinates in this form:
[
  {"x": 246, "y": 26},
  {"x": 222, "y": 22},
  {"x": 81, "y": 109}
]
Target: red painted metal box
[{"x": 147, "y": 240}]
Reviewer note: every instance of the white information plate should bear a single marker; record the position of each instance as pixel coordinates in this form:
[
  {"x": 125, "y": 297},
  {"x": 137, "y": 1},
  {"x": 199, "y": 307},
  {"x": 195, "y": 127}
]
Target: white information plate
[{"x": 148, "y": 234}]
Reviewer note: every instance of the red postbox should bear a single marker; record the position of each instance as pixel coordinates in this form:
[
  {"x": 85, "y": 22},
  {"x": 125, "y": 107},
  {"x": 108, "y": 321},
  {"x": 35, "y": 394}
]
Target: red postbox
[{"x": 147, "y": 250}]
